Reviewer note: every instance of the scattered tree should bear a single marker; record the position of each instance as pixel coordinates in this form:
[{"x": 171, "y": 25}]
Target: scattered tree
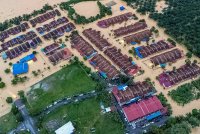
[{"x": 9, "y": 100}]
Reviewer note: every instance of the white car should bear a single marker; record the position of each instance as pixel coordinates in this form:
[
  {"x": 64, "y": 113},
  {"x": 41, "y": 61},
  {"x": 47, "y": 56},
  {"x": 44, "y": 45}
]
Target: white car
[
  {"x": 69, "y": 98},
  {"x": 93, "y": 91}
]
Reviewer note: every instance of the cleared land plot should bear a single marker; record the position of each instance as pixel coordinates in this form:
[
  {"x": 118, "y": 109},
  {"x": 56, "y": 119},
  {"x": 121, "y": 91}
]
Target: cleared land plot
[
  {"x": 87, "y": 9},
  {"x": 68, "y": 81},
  {"x": 7, "y": 123},
  {"x": 186, "y": 93},
  {"x": 84, "y": 116}
]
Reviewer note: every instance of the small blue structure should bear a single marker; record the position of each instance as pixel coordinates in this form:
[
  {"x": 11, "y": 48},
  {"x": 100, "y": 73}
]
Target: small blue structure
[
  {"x": 90, "y": 56},
  {"x": 133, "y": 63},
  {"x": 4, "y": 56},
  {"x": 149, "y": 94},
  {"x": 68, "y": 30},
  {"x": 163, "y": 65},
  {"x": 153, "y": 115},
  {"x": 145, "y": 39},
  {"x": 20, "y": 68},
  {"x": 133, "y": 100},
  {"x": 103, "y": 74},
  {"x": 122, "y": 87},
  {"x": 122, "y": 8},
  {"x": 92, "y": 63},
  {"x": 27, "y": 58},
  {"x": 133, "y": 43},
  {"x": 138, "y": 52}
]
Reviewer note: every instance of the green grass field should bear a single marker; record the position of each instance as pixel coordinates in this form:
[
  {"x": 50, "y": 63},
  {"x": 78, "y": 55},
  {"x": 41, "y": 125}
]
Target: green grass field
[
  {"x": 7, "y": 123},
  {"x": 84, "y": 116},
  {"x": 66, "y": 82}
]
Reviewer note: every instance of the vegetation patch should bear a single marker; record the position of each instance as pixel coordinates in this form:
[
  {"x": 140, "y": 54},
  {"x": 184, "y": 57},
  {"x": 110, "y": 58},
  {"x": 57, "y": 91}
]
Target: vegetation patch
[
  {"x": 2, "y": 84},
  {"x": 86, "y": 116},
  {"x": 70, "y": 80},
  {"x": 179, "y": 124},
  {"x": 165, "y": 103},
  {"x": 186, "y": 93},
  {"x": 7, "y": 123},
  {"x": 143, "y": 6},
  {"x": 78, "y": 19}
]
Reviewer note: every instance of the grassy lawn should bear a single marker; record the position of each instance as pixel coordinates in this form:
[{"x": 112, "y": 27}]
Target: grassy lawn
[
  {"x": 84, "y": 116},
  {"x": 66, "y": 82},
  {"x": 7, "y": 123}
]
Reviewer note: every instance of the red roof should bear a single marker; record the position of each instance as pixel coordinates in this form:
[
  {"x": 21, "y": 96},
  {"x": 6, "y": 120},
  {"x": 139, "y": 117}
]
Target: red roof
[{"x": 145, "y": 107}]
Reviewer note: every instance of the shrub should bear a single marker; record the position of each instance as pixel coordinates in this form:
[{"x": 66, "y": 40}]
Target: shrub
[
  {"x": 10, "y": 63},
  {"x": 34, "y": 52},
  {"x": 130, "y": 51},
  {"x": 9, "y": 100},
  {"x": 189, "y": 55},
  {"x": 2, "y": 84},
  {"x": 7, "y": 71},
  {"x": 171, "y": 41}
]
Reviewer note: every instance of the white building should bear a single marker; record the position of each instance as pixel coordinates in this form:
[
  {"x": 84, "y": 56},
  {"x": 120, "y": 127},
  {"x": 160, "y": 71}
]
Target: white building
[{"x": 66, "y": 129}]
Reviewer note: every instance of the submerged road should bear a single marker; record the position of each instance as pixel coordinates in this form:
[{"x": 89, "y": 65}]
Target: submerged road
[
  {"x": 28, "y": 122},
  {"x": 65, "y": 101}
]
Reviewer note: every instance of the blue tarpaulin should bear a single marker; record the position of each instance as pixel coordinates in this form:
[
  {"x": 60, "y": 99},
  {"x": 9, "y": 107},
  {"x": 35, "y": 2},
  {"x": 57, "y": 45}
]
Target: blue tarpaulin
[
  {"x": 133, "y": 43},
  {"x": 138, "y": 52},
  {"x": 27, "y": 58},
  {"x": 121, "y": 8},
  {"x": 149, "y": 94},
  {"x": 133, "y": 100},
  {"x": 68, "y": 30},
  {"x": 92, "y": 63},
  {"x": 133, "y": 63},
  {"x": 103, "y": 74},
  {"x": 20, "y": 68},
  {"x": 90, "y": 56},
  {"x": 122, "y": 87},
  {"x": 163, "y": 65},
  {"x": 153, "y": 115},
  {"x": 145, "y": 39},
  {"x": 4, "y": 56}
]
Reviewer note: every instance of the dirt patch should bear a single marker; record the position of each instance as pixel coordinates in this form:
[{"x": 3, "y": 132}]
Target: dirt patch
[
  {"x": 160, "y": 5},
  {"x": 87, "y": 9}
]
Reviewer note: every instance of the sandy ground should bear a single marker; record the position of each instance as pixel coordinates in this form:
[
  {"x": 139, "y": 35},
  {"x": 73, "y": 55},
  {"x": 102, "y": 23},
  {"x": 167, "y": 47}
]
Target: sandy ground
[
  {"x": 14, "y": 8},
  {"x": 12, "y": 90},
  {"x": 87, "y": 9},
  {"x": 196, "y": 130},
  {"x": 160, "y": 5}
]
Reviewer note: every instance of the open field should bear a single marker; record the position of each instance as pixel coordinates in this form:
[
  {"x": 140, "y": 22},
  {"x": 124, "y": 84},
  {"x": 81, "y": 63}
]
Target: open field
[
  {"x": 68, "y": 81},
  {"x": 7, "y": 123},
  {"x": 85, "y": 115}
]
